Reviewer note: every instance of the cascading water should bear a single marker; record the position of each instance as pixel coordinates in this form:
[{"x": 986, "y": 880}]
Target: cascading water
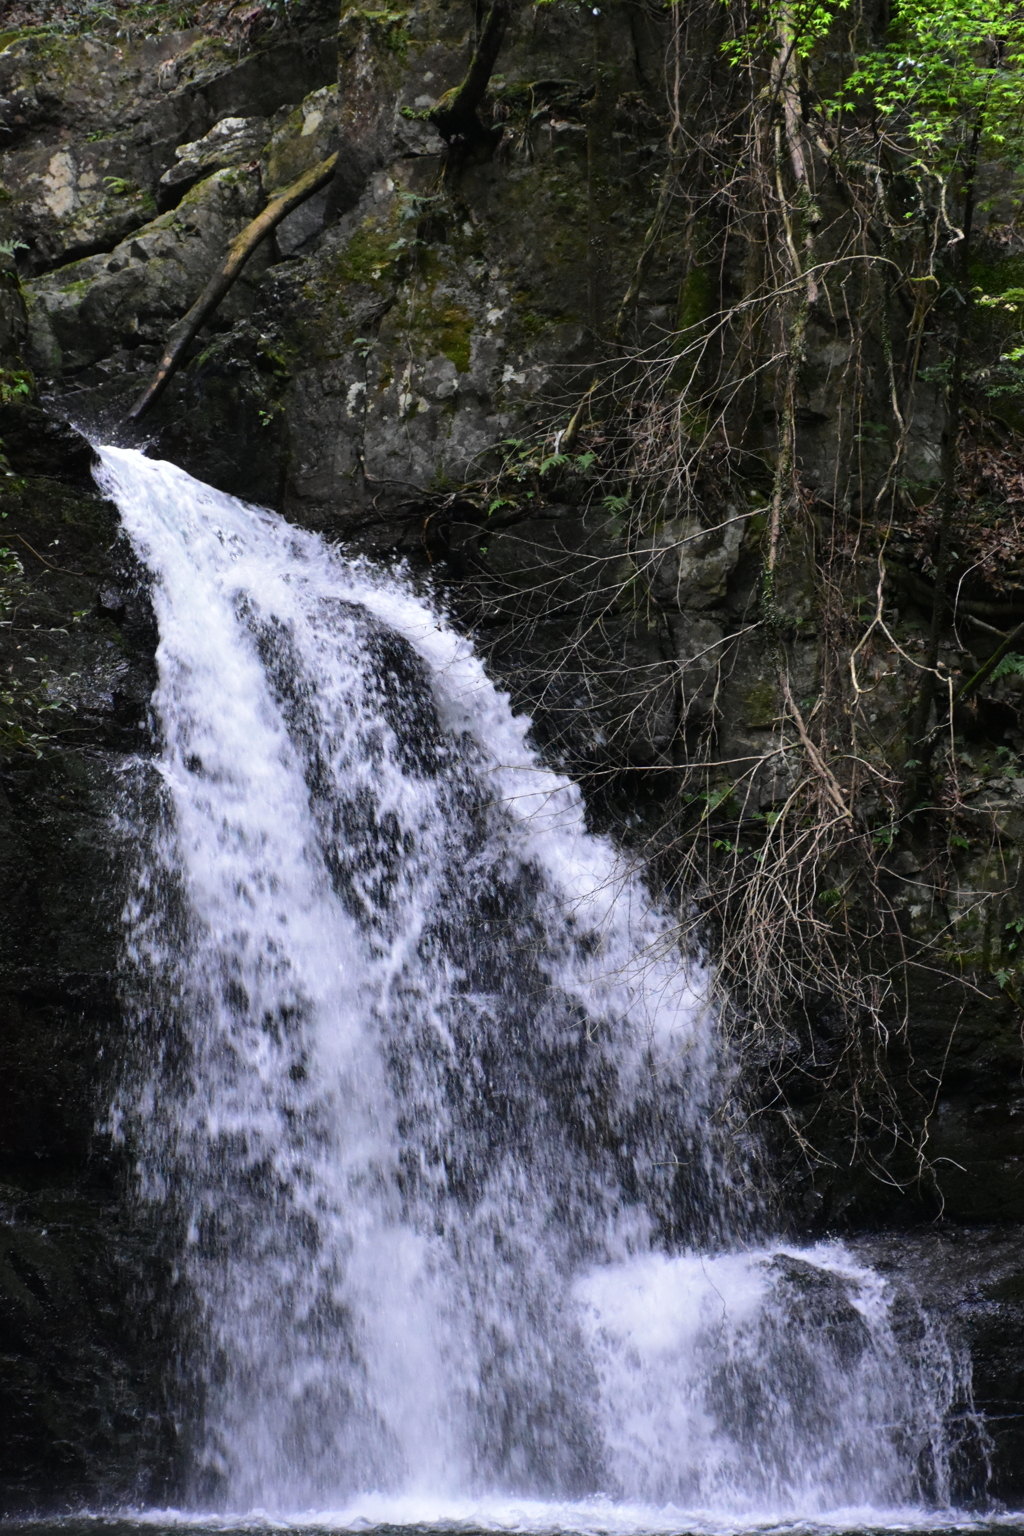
[{"x": 441, "y": 1110}]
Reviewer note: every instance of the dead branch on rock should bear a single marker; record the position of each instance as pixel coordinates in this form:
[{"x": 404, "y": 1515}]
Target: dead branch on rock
[{"x": 239, "y": 251}]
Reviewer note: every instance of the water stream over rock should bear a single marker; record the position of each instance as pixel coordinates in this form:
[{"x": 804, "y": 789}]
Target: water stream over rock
[{"x": 442, "y": 1114}]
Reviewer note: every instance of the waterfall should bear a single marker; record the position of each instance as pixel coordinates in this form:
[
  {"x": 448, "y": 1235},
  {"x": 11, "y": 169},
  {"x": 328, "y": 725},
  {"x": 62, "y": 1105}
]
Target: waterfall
[{"x": 441, "y": 1115}]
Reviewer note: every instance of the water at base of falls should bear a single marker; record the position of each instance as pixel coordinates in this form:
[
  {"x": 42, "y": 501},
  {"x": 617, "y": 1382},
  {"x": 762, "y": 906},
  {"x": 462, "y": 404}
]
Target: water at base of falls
[{"x": 440, "y": 1113}]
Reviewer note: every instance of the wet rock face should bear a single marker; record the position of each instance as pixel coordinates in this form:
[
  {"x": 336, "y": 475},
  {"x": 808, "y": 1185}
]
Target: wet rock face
[
  {"x": 973, "y": 1281},
  {"x": 81, "y": 1284},
  {"x": 81, "y": 1395}
]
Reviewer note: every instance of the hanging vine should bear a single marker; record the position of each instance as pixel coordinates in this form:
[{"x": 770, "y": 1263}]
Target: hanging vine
[{"x": 820, "y": 179}]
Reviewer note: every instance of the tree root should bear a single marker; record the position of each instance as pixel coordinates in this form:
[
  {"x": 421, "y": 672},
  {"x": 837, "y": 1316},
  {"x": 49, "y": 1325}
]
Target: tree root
[{"x": 455, "y": 116}]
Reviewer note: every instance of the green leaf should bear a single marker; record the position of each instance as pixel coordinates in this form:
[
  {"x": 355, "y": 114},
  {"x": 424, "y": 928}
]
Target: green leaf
[{"x": 1012, "y": 665}]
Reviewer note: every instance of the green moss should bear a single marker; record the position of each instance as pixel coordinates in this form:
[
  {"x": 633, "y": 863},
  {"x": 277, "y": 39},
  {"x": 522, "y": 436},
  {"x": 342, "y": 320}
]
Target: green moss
[
  {"x": 528, "y": 322},
  {"x": 440, "y": 327},
  {"x": 77, "y": 289},
  {"x": 387, "y": 27},
  {"x": 695, "y": 296},
  {"x": 207, "y": 50},
  {"x": 368, "y": 256},
  {"x": 995, "y": 276},
  {"x": 455, "y": 335},
  {"x": 760, "y": 706}
]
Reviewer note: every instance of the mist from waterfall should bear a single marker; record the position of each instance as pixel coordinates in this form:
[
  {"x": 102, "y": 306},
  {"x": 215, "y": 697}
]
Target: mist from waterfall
[{"x": 441, "y": 1117}]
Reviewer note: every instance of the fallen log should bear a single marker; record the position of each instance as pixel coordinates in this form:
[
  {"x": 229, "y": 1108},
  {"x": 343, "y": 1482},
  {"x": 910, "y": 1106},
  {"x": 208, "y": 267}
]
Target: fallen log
[{"x": 239, "y": 251}]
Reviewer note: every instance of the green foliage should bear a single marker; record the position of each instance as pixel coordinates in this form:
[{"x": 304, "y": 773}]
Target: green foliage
[
  {"x": 1010, "y": 301},
  {"x": 1008, "y": 977},
  {"x": 1012, "y": 665},
  {"x": 15, "y": 386},
  {"x": 11, "y": 572},
  {"x": 778, "y": 24},
  {"x": 941, "y": 93},
  {"x": 945, "y": 72},
  {"x": 414, "y": 207},
  {"x": 526, "y": 461},
  {"x": 1005, "y": 378},
  {"x": 948, "y": 69}
]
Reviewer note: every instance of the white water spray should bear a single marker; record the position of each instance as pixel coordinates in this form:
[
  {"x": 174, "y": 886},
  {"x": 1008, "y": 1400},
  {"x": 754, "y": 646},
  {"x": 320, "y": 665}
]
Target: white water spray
[{"x": 439, "y": 1108}]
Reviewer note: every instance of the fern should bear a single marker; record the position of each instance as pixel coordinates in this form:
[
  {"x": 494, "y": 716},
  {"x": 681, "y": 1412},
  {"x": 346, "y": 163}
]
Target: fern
[{"x": 1012, "y": 665}]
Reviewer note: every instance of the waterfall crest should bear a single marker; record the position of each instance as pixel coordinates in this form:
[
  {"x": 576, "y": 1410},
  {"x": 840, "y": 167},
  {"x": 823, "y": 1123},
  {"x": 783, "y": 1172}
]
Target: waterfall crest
[{"x": 439, "y": 1109}]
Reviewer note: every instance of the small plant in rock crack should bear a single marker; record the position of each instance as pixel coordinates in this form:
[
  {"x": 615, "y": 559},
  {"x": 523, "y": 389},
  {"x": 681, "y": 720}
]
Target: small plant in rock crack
[
  {"x": 539, "y": 463},
  {"x": 421, "y": 209},
  {"x": 15, "y": 386}
]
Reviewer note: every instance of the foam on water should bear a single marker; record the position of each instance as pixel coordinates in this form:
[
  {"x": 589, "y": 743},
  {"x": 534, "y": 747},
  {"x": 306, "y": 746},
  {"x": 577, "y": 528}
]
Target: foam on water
[
  {"x": 438, "y": 1111},
  {"x": 595, "y": 1517}
]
